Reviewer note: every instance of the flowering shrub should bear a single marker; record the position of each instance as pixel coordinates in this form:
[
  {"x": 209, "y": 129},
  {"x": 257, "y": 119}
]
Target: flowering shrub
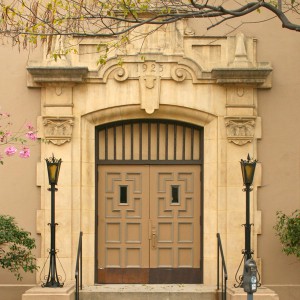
[
  {"x": 15, "y": 243},
  {"x": 14, "y": 142}
]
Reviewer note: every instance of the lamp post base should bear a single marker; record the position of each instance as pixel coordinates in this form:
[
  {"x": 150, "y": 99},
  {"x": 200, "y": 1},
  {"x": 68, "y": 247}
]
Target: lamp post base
[
  {"x": 52, "y": 280},
  {"x": 55, "y": 284}
]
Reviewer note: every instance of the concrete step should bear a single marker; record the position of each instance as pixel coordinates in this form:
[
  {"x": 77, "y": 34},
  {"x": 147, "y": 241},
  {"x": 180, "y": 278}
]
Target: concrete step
[{"x": 149, "y": 292}]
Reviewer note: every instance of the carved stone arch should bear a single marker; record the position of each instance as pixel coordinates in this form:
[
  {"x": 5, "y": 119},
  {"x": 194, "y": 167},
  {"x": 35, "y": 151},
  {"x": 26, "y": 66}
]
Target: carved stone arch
[{"x": 167, "y": 112}]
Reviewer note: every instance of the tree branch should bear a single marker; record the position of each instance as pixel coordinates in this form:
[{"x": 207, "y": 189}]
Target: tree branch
[{"x": 84, "y": 18}]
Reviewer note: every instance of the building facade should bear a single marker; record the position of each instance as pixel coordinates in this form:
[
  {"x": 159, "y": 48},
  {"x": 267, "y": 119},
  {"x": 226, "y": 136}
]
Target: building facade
[{"x": 151, "y": 146}]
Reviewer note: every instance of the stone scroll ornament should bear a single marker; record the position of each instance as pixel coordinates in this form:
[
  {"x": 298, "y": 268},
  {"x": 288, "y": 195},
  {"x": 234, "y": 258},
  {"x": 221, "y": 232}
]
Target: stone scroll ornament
[
  {"x": 240, "y": 131},
  {"x": 58, "y": 130}
]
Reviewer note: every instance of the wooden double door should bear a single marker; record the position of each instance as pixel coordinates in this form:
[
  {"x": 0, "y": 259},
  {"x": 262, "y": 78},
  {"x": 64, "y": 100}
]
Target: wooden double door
[{"x": 149, "y": 224}]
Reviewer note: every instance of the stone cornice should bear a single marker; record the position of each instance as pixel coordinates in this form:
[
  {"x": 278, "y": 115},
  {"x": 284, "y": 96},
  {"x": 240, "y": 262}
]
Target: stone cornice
[
  {"x": 63, "y": 74},
  {"x": 176, "y": 67},
  {"x": 258, "y": 76}
]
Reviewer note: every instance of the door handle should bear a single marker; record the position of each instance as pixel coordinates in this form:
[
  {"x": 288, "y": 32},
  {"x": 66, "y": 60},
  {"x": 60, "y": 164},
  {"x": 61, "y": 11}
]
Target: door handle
[
  {"x": 153, "y": 239},
  {"x": 152, "y": 234}
]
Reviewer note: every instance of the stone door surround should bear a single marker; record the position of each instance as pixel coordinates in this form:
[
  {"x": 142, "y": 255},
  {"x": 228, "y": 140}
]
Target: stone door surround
[{"x": 211, "y": 82}]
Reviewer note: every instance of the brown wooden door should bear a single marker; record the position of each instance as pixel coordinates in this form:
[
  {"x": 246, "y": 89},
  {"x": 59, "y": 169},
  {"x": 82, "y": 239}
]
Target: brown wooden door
[
  {"x": 175, "y": 219},
  {"x": 149, "y": 224}
]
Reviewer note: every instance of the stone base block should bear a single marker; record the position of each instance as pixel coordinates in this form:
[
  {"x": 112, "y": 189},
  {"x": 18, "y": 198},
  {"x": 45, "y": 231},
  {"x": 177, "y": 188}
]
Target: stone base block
[
  {"x": 262, "y": 293},
  {"x": 39, "y": 293}
]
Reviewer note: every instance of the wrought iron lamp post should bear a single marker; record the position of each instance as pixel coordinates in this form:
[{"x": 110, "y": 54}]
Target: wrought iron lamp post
[
  {"x": 248, "y": 169},
  {"x": 53, "y": 167},
  {"x": 249, "y": 280}
]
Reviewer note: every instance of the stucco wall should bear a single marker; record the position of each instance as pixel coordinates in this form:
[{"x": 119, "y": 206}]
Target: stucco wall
[
  {"x": 19, "y": 194},
  {"x": 279, "y": 151}
]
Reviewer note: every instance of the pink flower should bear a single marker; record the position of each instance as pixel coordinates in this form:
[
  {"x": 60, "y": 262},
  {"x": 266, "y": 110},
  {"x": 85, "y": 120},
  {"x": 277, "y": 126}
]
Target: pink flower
[
  {"x": 5, "y": 115},
  {"x": 31, "y": 135},
  {"x": 29, "y": 126},
  {"x": 25, "y": 152},
  {"x": 10, "y": 151}
]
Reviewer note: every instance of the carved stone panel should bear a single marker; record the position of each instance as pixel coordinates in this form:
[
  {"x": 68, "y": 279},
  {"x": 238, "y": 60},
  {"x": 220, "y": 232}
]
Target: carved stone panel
[
  {"x": 58, "y": 130},
  {"x": 240, "y": 130}
]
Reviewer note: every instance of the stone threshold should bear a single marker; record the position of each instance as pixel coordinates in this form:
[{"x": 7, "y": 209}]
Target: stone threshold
[{"x": 150, "y": 288}]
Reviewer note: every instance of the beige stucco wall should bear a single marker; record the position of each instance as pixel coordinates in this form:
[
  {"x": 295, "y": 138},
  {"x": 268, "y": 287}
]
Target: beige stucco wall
[
  {"x": 19, "y": 194},
  {"x": 278, "y": 150}
]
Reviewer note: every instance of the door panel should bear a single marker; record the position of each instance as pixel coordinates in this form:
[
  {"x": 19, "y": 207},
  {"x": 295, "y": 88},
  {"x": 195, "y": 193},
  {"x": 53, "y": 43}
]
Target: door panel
[
  {"x": 123, "y": 217},
  {"x": 175, "y": 215},
  {"x": 149, "y": 224}
]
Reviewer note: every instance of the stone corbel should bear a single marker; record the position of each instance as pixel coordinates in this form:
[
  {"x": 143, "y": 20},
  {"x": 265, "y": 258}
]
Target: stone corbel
[
  {"x": 240, "y": 130},
  {"x": 58, "y": 130}
]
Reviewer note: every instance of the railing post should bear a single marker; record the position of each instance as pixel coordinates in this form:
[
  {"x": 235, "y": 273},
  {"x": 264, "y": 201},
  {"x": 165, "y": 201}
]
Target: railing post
[
  {"x": 224, "y": 269},
  {"x": 78, "y": 269},
  {"x": 225, "y": 294},
  {"x": 81, "y": 260},
  {"x": 218, "y": 263}
]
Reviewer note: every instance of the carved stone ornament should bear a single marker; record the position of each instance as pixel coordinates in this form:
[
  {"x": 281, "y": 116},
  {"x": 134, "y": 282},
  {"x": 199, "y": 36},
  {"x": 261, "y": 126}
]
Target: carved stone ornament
[
  {"x": 149, "y": 93},
  {"x": 240, "y": 130},
  {"x": 241, "y": 56},
  {"x": 120, "y": 74},
  {"x": 178, "y": 74},
  {"x": 58, "y": 130}
]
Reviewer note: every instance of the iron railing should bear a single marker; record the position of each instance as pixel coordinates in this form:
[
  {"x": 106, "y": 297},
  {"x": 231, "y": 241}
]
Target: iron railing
[
  {"x": 224, "y": 270},
  {"x": 78, "y": 269}
]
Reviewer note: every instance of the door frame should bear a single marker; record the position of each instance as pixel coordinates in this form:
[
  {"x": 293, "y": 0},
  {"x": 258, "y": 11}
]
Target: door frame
[{"x": 98, "y": 162}]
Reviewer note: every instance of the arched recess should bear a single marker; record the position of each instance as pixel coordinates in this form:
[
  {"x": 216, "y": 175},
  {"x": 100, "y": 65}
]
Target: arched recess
[{"x": 166, "y": 113}]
